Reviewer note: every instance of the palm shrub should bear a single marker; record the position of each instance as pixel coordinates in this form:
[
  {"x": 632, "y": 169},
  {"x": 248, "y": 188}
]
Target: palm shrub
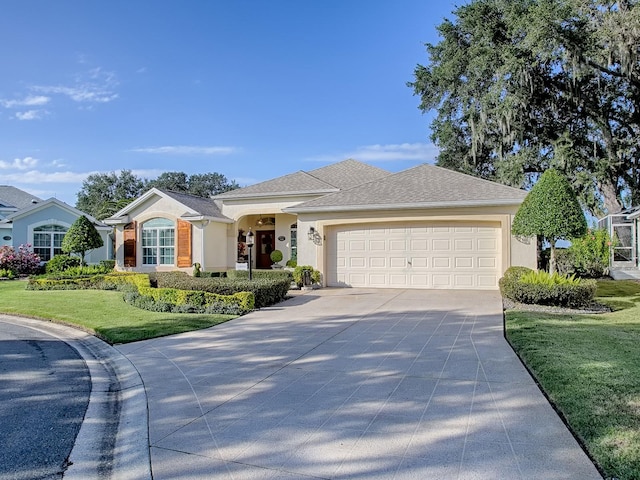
[
  {"x": 299, "y": 272},
  {"x": 543, "y": 288}
]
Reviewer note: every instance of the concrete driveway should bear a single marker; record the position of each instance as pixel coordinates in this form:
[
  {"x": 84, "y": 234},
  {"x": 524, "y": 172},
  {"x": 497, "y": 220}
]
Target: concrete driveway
[{"x": 353, "y": 383}]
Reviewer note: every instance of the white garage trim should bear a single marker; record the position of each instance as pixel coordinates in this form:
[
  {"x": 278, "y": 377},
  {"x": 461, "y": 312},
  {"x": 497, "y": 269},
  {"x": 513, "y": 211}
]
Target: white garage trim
[{"x": 458, "y": 255}]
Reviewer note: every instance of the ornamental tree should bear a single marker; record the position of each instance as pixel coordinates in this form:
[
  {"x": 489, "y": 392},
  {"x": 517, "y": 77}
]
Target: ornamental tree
[
  {"x": 81, "y": 237},
  {"x": 551, "y": 211}
]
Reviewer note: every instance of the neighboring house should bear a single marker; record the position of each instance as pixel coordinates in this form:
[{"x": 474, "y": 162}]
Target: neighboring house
[
  {"x": 625, "y": 251},
  {"x": 361, "y": 226},
  {"x": 26, "y": 219}
]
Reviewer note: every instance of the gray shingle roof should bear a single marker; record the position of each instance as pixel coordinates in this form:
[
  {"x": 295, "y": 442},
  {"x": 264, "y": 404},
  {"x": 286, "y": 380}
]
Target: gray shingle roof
[
  {"x": 331, "y": 178},
  {"x": 421, "y": 186},
  {"x": 14, "y": 197},
  {"x": 203, "y": 206},
  {"x": 348, "y": 173}
]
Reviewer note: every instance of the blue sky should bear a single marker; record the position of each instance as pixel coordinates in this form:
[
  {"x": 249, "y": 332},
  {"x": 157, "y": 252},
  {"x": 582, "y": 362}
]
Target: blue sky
[{"x": 249, "y": 89}]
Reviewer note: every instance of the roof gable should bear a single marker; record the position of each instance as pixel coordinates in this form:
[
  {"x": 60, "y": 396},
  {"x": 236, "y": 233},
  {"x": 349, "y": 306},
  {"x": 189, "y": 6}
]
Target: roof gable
[
  {"x": 33, "y": 208},
  {"x": 421, "y": 186},
  {"x": 195, "y": 206},
  {"x": 320, "y": 181},
  {"x": 348, "y": 174},
  {"x": 297, "y": 183}
]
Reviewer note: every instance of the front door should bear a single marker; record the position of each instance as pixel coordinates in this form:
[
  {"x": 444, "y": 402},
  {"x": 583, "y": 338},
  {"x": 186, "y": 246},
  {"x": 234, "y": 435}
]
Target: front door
[{"x": 265, "y": 244}]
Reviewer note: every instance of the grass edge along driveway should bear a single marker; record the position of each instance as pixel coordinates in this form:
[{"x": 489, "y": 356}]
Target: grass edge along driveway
[
  {"x": 99, "y": 312},
  {"x": 589, "y": 366}
]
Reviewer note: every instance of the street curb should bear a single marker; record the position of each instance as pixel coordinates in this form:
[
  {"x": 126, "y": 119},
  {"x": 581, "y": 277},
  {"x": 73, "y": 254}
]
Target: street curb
[{"x": 113, "y": 441}]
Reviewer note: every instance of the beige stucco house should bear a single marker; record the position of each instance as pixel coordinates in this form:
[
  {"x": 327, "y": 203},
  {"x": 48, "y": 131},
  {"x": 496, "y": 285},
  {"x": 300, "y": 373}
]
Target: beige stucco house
[{"x": 361, "y": 226}]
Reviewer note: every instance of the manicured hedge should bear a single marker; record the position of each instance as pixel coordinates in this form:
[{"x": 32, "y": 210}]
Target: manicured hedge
[
  {"x": 523, "y": 285},
  {"x": 267, "y": 291},
  {"x": 143, "y": 295}
]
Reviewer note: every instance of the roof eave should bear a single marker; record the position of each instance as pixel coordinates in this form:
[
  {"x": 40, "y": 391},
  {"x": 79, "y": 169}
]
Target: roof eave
[
  {"x": 301, "y": 193},
  {"x": 204, "y": 218},
  {"x": 403, "y": 206}
]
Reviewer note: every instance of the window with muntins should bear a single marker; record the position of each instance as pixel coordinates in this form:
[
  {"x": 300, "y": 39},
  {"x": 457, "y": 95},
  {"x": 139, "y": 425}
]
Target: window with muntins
[
  {"x": 47, "y": 241},
  {"x": 158, "y": 242}
]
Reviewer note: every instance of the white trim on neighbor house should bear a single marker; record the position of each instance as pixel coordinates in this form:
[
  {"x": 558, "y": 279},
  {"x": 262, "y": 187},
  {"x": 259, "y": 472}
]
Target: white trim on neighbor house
[{"x": 54, "y": 201}]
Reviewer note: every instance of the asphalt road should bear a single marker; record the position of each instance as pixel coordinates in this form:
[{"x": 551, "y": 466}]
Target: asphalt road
[{"x": 44, "y": 393}]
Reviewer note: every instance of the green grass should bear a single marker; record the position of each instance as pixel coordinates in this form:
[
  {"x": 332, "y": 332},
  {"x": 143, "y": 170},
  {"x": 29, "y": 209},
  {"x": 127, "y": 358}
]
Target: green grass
[
  {"x": 589, "y": 366},
  {"x": 102, "y": 313}
]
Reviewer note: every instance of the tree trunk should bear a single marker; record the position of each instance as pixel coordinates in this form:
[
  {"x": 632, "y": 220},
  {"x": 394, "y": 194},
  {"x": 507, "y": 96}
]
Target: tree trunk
[{"x": 552, "y": 258}]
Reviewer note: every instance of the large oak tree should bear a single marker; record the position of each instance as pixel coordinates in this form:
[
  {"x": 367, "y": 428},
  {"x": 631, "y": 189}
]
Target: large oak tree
[{"x": 524, "y": 85}]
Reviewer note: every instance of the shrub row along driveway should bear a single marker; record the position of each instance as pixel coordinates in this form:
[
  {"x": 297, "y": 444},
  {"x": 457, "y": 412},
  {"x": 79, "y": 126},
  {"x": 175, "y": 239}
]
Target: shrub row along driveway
[{"x": 352, "y": 383}]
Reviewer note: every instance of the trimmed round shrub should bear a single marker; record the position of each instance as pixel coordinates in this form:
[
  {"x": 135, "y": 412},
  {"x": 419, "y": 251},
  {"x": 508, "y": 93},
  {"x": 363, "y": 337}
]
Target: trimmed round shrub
[
  {"x": 60, "y": 263},
  {"x": 276, "y": 256}
]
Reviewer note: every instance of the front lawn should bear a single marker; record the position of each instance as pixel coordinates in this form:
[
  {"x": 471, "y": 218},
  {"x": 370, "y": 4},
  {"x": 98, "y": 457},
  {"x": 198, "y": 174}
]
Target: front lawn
[
  {"x": 100, "y": 312},
  {"x": 589, "y": 366}
]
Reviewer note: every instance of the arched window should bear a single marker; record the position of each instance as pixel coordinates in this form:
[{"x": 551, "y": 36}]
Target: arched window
[
  {"x": 158, "y": 242},
  {"x": 47, "y": 241}
]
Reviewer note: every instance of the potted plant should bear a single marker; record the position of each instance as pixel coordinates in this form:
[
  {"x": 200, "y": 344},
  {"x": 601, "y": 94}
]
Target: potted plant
[{"x": 276, "y": 256}]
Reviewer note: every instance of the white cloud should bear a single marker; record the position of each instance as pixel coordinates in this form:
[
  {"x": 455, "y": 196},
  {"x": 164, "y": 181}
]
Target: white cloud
[
  {"x": 38, "y": 177},
  {"x": 19, "y": 164},
  {"x": 425, "y": 152},
  {"x": 28, "y": 101},
  {"x": 94, "y": 86},
  {"x": 186, "y": 150},
  {"x": 31, "y": 114},
  {"x": 57, "y": 164}
]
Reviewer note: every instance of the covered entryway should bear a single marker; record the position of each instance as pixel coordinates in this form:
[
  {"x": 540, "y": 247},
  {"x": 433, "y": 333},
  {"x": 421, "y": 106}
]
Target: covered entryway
[{"x": 460, "y": 255}]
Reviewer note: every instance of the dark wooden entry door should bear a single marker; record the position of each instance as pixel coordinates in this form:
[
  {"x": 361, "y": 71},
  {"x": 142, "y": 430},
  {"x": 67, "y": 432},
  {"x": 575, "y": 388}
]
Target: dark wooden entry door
[{"x": 265, "y": 244}]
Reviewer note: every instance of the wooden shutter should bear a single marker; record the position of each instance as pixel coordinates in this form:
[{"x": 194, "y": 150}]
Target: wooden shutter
[
  {"x": 184, "y": 244},
  {"x": 129, "y": 235}
]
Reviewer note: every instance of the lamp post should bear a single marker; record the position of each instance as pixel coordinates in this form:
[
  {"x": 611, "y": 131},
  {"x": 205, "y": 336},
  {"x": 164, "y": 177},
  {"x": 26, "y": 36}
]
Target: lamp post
[{"x": 250, "y": 241}]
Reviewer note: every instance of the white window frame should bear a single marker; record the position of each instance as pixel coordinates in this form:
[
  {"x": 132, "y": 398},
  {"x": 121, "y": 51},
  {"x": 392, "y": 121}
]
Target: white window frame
[
  {"x": 31, "y": 234},
  {"x": 159, "y": 252}
]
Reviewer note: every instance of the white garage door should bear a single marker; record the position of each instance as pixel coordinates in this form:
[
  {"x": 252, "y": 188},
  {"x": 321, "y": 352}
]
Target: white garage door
[{"x": 415, "y": 255}]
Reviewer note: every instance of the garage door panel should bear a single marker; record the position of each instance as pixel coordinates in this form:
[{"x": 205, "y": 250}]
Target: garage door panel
[
  {"x": 379, "y": 245},
  {"x": 487, "y": 262},
  {"x": 357, "y": 246},
  {"x": 421, "y": 280},
  {"x": 414, "y": 255},
  {"x": 398, "y": 262},
  {"x": 357, "y": 262},
  {"x": 419, "y": 245},
  {"x": 397, "y": 245},
  {"x": 487, "y": 281},
  {"x": 488, "y": 244},
  {"x": 420, "y": 262},
  {"x": 397, "y": 280},
  {"x": 463, "y": 280},
  {"x": 464, "y": 262},
  {"x": 442, "y": 281},
  {"x": 463, "y": 244},
  {"x": 378, "y": 280},
  {"x": 441, "y": 262},
  {"x": 378, "y": 262},
  {"x": 441, "y": 245}
]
